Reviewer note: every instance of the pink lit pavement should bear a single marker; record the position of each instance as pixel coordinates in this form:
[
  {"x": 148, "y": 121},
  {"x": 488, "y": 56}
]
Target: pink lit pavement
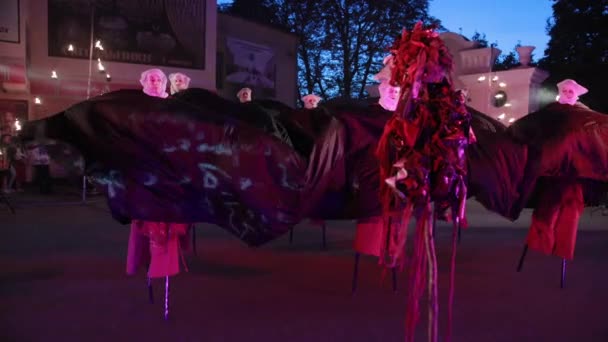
[{"x": 62, "y": 279}]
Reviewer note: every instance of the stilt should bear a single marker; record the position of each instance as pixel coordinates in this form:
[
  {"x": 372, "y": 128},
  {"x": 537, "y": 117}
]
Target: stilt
[
  {"x": 193, "y": 227},
  {"x": 521, "y": 259},
  {"x": 394, "y": 270},
  {"x": 387, "y": 250},
  {"x": 150, "y": 291},
  {"x": 84, "y": 189},
  {"x": 563, "y": 280},
  {"x": 459, "y": 225},
  {"x": 324, "y": 242},
  {"x": 290, "y": 236},
  {"x": 355, "y": 272},
  {"x": 166, "y": 298}
]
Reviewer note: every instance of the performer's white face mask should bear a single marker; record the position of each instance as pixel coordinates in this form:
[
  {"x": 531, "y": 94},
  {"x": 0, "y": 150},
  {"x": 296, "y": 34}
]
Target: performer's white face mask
[
  {"x": 180, "y": 82},
  {"x": 389, "y": 96},
  {"x": 567, "y": 95},
  {"x": 154, "y": 85},
  {"x": 245, "y": 97},
  {"x": 311, "y": 103}
]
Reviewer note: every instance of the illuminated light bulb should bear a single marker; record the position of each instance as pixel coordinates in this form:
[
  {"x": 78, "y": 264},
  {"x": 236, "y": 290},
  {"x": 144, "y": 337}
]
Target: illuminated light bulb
[
  {"x": 481, "y": 78},
  {"x": 100, "y": 66},
  {"x": 37, "y": 100},
  {"x": 54, "y": 74},
  {"x": 495, "y": 78},
  {"x": 501, "y": 116},
  {"x": 108, "y": 77},
  {"x": 70, "y": 47},
  {"x": 511, "y": 120},
  {"x": 507, "y": 105},
  {"x": 502, "y": 84},
  {"x": 17, "y": 125},
  {"x": 557, "y": 98},
  {"x": 98, "y": 45},
  {"x": 499, "y": 96}
]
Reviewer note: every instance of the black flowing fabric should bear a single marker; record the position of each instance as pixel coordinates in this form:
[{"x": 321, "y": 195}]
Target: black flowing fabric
[
  {"x": 497, "y": 167},
  {"x": 257, "y": 169},
  {"x": 566, "y": 142},
  {"x": 570, "y": 140},
  {"x": 167, "y": 160}
]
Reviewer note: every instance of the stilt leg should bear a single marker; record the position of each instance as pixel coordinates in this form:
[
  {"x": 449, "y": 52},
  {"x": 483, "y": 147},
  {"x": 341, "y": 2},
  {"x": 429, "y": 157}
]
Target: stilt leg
[
  {"x": 166, "y": 297},
  {"x": 521, "y": 259},
  {"x": 324, "y": 245},
  {"x": 434, "y": 218},
  {"x": 355, "y": 272},
  {"x": 6, "y": 201},
  {"x": 563, "y": 282},
  {"x": 150, "y": 291},
  {"x": 193, "y": 227}
]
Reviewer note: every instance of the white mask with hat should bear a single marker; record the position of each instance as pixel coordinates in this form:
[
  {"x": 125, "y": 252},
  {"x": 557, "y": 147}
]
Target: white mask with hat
[{"x": 569, "y": 91}]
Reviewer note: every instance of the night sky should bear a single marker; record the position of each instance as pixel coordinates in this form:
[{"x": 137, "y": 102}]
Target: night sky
[{"x": 503, "y": 22}]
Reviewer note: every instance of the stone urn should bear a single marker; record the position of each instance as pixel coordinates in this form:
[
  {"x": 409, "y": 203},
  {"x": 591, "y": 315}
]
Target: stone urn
[{"x": 525, "y": 54}]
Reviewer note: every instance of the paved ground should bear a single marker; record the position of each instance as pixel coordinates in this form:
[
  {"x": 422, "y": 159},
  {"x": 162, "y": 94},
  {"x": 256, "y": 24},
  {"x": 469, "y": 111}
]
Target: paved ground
[{"x": 62, "y": 279}]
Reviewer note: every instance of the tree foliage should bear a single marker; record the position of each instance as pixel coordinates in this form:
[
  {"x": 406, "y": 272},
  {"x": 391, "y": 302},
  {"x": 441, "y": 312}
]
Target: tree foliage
[
  {"x": 578, "y": 47},
  {"x": 342, "y": 42}
]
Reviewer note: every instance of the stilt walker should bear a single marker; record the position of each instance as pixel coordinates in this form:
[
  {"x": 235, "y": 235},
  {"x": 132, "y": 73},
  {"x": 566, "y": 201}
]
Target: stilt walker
[{"x": 422, "y": 159}]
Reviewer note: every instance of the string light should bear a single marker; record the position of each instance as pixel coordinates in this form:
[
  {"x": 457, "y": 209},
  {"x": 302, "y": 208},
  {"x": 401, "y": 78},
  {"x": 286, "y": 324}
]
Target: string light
[
  {"x": 511, "y": 120},
  {"x": 17, "y": 125},
  {"x": 37, "y": 100},
  {"x": 481, "y": 79},
  {"x": 502, "y": 84},
  {"x": 502, "y": 116},
  {"x": 495, "y": 78},
  {"x": 71, "y": 48},
  {"x": 54, "y": 74},
  {"x": 507, "y": 104},
  {"x": 98, "y": 45}
]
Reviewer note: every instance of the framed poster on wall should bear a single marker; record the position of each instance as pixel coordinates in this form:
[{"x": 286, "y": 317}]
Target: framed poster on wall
[
  {"x": 9, "y": 21},
  {"x": 252, "y": 65},
  {"x": 164, "y": 33}
]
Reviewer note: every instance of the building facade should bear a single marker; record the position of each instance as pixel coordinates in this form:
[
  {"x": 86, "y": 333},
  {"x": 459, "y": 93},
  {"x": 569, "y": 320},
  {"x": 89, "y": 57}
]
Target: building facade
[
  {"x": 54, "y": 53},
  {"x": 506, "y": 95}
]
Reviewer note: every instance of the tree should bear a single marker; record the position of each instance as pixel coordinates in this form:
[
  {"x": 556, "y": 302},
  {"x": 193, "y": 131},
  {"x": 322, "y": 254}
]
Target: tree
[
  {"x": 260, "y": 11},
  {"x": 578, "y": 47},
  {"x": 342, "y": 42},
  {"x": 481, "y": 39}
]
